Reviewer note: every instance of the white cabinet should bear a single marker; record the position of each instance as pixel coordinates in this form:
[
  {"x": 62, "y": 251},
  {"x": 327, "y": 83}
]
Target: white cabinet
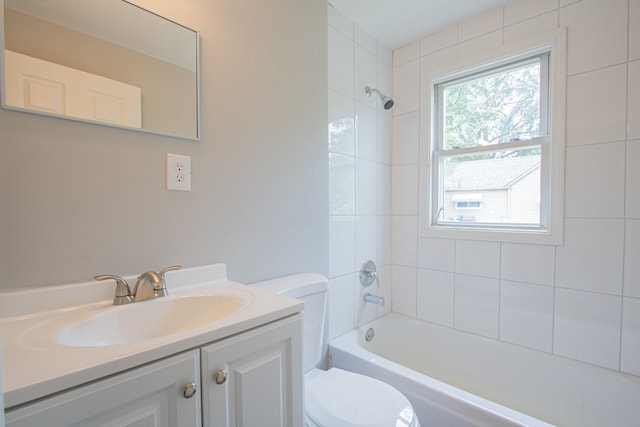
[
  {"x": 152, "y": 395},
  {"x": 252, "y": 379},
  {"x": 255, "y": 379}
]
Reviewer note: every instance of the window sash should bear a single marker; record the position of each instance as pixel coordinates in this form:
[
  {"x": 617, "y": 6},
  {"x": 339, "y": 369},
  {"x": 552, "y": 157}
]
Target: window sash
[{"x": 543, "y": 141}]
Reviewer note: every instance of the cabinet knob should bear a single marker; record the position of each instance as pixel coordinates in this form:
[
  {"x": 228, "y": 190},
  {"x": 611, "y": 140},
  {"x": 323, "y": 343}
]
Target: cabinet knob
[
  {"x": 189, "y": 390},
  {"x": 220, "y": 376}
]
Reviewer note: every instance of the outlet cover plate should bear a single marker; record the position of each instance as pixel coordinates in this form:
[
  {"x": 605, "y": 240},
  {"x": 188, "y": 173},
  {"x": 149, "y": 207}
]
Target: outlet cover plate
[{"x": 178, "y": 172}]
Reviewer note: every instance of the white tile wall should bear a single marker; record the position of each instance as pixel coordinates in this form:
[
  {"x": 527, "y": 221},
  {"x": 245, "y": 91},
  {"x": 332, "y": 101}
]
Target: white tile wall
[
  {"x": 595, "y": 181},
  {"x": 526, "y": 314},
  {"x": 631, "y": 257},
  {"x": 360, "y": 135},
  {"x": 580, "y": 299},
  {"x": 476, "y": 304},
  {"x": 633, "y": 179},
  {"x": 590, "y": 49},
  {"x": 435, "y": 296},
  {"x": 587, "y": 327},
  {"x": 591, "y": 257},
  {"x": 596, "y": 106}
]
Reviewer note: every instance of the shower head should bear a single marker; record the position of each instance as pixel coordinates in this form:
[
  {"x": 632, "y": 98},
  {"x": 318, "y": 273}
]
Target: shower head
[{"x": 387, "y": 102}]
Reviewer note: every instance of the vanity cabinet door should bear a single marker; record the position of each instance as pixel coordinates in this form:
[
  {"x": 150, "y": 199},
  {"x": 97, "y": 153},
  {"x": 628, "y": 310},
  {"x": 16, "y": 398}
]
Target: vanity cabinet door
[
  {"x": 152, "y": 395},
  {"x": 255, "y": 379}
]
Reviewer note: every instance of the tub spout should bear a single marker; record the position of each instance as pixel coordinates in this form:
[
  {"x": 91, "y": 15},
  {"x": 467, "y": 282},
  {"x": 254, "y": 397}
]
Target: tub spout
[{"x": 374, "y": 299}]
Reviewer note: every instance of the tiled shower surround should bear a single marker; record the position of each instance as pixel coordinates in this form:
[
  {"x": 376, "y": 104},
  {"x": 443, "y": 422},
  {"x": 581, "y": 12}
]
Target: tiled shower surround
[{"x": 580, "y": 299}]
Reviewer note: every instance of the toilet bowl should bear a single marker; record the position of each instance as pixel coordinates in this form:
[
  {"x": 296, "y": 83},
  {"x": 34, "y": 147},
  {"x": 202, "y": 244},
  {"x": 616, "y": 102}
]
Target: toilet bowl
[
  {"x": 335, "y": 397},
  {"x": 341, "y": 398}
]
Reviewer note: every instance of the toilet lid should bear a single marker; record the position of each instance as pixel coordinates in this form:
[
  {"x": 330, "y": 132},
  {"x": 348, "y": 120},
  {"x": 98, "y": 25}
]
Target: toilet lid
[{"x": 340, "y": 398}]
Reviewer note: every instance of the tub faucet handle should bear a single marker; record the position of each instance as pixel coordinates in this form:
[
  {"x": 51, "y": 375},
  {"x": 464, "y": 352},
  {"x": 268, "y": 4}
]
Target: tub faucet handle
[{"x": 368, "y": 273}]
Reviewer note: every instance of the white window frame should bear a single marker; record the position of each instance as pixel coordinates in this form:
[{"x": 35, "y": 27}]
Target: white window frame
[{"x": 552, "y": 144}]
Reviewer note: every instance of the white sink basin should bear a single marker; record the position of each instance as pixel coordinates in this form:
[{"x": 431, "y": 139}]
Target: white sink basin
[{"x": 150, "y": 319}]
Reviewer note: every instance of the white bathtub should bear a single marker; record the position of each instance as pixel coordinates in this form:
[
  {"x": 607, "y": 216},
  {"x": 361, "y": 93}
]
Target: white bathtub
[{"x": 453, "y": 378}]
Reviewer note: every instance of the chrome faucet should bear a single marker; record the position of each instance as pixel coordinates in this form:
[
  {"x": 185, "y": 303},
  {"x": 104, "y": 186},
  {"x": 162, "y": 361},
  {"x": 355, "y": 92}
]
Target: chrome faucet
[
  {"x": 150, "y": 285},
  {"x": 374, "y": 299}
]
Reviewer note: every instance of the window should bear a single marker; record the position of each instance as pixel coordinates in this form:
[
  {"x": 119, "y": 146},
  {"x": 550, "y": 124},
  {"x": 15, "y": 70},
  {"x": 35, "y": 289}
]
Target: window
[{"x": 495, "y": 145}]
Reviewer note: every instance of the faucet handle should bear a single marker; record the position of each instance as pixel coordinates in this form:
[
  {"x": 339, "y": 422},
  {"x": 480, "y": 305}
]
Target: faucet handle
[
  {"x": 164, "y": 270},
  {"x": 123, "y": 292}
]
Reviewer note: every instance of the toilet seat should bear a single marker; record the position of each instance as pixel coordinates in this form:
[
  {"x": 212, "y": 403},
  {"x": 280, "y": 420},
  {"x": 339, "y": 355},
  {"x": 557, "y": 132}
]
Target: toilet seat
[{"x": 339, "y": 398}]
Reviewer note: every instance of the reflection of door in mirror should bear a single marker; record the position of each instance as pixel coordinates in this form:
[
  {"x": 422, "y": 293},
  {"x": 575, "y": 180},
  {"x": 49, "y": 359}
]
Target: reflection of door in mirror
[
  {"x": 44, "y": 86},
  {"x": 112, "y": 39}
]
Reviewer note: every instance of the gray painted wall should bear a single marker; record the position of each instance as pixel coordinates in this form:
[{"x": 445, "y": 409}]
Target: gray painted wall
[{"x": 79, "y": 199}]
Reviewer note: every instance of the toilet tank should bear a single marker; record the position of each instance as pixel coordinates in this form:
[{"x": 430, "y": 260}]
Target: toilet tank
[{"x": 312, "y": 289}]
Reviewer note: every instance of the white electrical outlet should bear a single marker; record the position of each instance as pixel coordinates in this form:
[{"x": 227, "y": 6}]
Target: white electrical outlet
[{"x": 178, "y": 172}]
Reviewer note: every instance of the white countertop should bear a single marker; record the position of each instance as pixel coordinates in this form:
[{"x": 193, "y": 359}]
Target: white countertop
[{"x": 34, "y": 365}]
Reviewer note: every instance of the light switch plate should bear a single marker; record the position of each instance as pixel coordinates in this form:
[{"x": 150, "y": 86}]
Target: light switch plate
[{"x": 178, "y": 172}]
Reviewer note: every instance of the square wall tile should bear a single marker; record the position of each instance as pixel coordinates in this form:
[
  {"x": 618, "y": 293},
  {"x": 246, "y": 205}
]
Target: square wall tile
[
  {"x": 481, "y": 24},
  {"x": 405, "y": 180},
  {"x": 478, "y": 258},
  {"x": 587, "y": 327},
  {"x": 439, "y": 58},
  {"x": 342, "y": 184},
  {"x": 519, "y": 11},
  {"x": 384, "y": 189},
  {"x": 485, "y": 42},
  {"x": 477, "y": 305},
  {"x": 631, "y": 258},
  {"x": 384, "y": 123},
  {"x": 366, "y": 132},
  {"x": 366, "y": 187},
  {"x": 405, "y": 240},
  {"x": 384, "y": 240},
  {"x": 339, "y": 22},
  {"x": 633, "y": 179},
  {"x": 531, "y": 27},
  {"x": 384, "y": 54},
  {"x": 407, "y": 53},
  {"x": 528, "y": 263},
  {"x": 596, "y": 106},
  {"x": 406, "y": 138},
  {"x": 630, "y": 357},
  {"x": 342, "y": 236},
  {"x": 440, "y": 40},
  {"x": 436, "y": 254},
  {"x": 365, "y": 40},
  {"x": 366, "y": 74},
  {"x": 403, "y": 290},
  {"x": 406, "y": 87},
  {"x": 595, "y": 181},
  {"x": 435, "y": 297},
  {"x": 591, "y": 257},
  {"x": 590, "y": 49},
  {"x": 341, "y": 303},
  {"x": 340, "y": 56},
  {"x": 526, "y": 314},
  {"x": 634, "y": 29},
  {"x": 634, "y": 100},
  {"x": 366, "y": 240},
  {"x": 341, "y": 124}
]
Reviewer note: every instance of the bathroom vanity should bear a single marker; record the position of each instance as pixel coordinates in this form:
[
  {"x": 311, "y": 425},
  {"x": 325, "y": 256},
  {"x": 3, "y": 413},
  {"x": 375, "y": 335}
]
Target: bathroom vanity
[{"x": 70, "y": 365}]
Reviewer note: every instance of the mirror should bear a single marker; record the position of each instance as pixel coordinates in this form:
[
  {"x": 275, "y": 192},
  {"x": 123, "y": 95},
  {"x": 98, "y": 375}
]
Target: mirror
[{"x": 109, "y": 62}]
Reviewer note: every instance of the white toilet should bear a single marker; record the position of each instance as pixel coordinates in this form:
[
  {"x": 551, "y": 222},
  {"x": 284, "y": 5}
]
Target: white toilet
[{"x": 338, "y": 398}]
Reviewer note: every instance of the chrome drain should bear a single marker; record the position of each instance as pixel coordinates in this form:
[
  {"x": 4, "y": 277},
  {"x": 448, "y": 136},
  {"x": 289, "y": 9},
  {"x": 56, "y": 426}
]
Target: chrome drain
[{"x": 369, "y": 335}]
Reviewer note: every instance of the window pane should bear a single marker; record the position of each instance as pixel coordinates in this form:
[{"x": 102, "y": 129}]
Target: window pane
[
  {"x": 492, "y": 109},
  {"x": 501, "y": 187}
]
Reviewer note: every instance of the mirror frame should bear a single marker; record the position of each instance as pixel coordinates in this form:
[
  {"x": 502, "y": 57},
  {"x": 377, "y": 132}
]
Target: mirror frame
[{"x": 198, "y": 96}]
